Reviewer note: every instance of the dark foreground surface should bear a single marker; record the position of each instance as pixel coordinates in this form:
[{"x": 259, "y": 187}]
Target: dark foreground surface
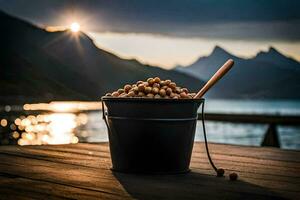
[{"x": 82, "y": 171}]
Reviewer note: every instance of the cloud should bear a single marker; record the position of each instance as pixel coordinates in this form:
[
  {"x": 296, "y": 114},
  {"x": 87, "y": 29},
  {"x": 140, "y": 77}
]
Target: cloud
[{"x": 229, "y": 19}]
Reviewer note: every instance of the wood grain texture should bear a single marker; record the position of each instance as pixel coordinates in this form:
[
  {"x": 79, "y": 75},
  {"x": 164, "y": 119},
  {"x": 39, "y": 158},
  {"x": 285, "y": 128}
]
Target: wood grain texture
[{"x": 82, "y": 171}]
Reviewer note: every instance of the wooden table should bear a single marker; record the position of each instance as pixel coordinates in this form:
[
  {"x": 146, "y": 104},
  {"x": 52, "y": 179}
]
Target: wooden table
[{"x": 82, "y": 171}]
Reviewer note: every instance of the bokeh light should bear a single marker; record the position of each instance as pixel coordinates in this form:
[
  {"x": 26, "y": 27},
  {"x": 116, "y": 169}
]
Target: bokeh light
[{"x": 3, "y": 122}]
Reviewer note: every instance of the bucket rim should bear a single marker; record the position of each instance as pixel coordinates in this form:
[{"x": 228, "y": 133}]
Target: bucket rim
[{"x": 139, "y": 99}]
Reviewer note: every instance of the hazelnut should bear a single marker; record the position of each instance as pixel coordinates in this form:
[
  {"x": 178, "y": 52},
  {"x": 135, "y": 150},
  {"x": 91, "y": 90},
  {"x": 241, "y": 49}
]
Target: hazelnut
[
  {"x": 162, "y": 83},
  {"x": 141, "y": 87},
  {"x": 146, "y": 84},
  {"x": 115, "y": 94},
  {"x": 150, "y": 81},
  {"x": 167, "y": 82},
  {"x": 172, "y": 85},
  {"x": 108, "y": 94},
  {"x": 123, "y": 95},
  {"x": 141, "y": 94},
  {"x": 192, "y": 94},
  {"x": 220, "y": 172},
  {"x": 157, "y": 80},
  {"x": 178, "y": 90},
  {"x": 155, "y": 90},
  {"x": 183, "y": 95},
  {"x": 184, "y": 90},
  {"x": 150, "y": 95},
  {"x": 162, "y": 92},
  {"x": 169, "y": 91},
  {"x": 120, "y": 91},
  {"x": 139, "y": 82},
  {"x": 172, "y": 95},
  {"x": 131, "y": 94},
  {"x": 233, "y": 176},
  {"x": 148, "y": 89},
  {"x": 156, "y": 85},
  {"x": 136, "y": 89},
  {"x": 127, "y": 88}
]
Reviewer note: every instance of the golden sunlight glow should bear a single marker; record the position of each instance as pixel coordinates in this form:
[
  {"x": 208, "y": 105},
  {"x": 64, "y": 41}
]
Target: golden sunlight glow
[
  {"x": 60, "y": 106},
  {"x": 55, "y": 127},
  {"x": 75, "y": 27},
  {"x": 55, "y": 28}
]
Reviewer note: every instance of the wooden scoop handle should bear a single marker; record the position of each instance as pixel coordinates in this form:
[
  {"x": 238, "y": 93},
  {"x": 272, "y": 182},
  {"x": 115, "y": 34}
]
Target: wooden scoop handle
[{"x": 217, "y": 76}]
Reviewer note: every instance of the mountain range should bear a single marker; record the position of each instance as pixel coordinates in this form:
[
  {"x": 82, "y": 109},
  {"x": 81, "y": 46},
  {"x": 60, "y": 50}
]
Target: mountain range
[
  {"x": 268, "y": 75},
  {"x": 41, "y": 66}
]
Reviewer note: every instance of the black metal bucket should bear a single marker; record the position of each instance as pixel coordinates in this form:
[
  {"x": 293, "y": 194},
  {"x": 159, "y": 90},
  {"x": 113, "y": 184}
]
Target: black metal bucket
[{"x": 151, "y": 135}]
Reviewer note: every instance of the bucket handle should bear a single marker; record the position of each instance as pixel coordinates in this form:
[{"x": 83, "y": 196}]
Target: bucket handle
[
  {"x": 219, "y": 171},
  {"x": 105, "y": 116}
]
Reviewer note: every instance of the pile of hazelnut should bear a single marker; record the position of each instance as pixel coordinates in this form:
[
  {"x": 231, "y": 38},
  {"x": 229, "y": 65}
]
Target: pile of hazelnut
[{"x": 153, "y": 88}]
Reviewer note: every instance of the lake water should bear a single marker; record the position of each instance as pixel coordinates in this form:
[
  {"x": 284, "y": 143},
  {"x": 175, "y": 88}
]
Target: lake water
[{"x": 72, "y": 122}]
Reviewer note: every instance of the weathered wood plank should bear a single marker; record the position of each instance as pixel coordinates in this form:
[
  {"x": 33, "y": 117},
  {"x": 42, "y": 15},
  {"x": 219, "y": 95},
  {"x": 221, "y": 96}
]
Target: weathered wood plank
[
  {"x": 204, "y": 167},
  {"x": 164, "y": 186},
  {"x": 233, "y": 164},
  {"x": 273, "y": 172},
  {"x": 56, "y": 172},
  {"x": 287, "y": 181},
  {"x": 65, "y": 154},
  {"x": 218, "y": 157},
  {"x": 245, "y": 151},
  {"x": 246, "y": 168},
  {"x": 36, "y": 188},
  {"x": 83, "y": 171}
]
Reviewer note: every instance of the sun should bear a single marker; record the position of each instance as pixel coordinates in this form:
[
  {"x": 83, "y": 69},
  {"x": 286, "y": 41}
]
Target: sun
[{"x": 75, "y": 27}]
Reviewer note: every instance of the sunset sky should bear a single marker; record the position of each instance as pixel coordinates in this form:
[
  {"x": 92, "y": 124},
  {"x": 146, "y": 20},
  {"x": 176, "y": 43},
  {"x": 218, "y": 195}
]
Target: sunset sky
[{"x": 170, "y": 33}]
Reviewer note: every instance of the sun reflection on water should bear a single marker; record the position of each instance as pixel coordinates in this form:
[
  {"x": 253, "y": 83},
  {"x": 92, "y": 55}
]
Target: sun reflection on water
[
  {"x": 54, "y": 123},
  {"x": 56, "y": 128},
  {"x": 58, "y": 106}
]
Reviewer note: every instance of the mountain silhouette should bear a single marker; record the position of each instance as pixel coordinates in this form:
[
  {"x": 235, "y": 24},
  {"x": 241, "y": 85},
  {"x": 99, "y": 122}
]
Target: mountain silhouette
[
  {"x": 268, "y": 75},
  {"x": 37, "y": 65}
]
